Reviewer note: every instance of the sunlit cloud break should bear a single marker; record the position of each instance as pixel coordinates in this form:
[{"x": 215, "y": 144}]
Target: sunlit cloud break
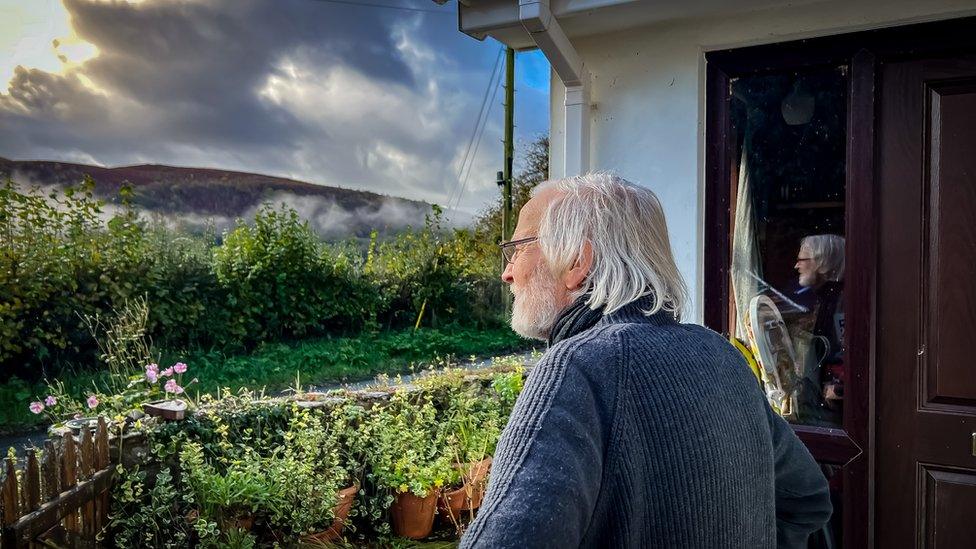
[{"x": 375, "y": 99}]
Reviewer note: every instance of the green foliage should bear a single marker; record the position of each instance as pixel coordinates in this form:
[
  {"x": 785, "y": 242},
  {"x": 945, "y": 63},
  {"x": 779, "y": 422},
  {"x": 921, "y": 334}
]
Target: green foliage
[
  {"x": 62, "y": 267},
  {"x": 64, "y": 270},
  {"x": 430, "y": 277},
  {"x": 282, "y": 283},
  {"x": 272, "y": 367},
  {"x": 278, "y": 467},
  {"x": 508, "y": 386},
  {"x": 143, "y": 516},
  {"x": 258, "y": 472},
  {"x": 407, "y": 449}
]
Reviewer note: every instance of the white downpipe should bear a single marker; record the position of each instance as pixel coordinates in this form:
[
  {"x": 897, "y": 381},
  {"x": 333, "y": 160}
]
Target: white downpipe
[
  {"x": 545, "y": 31},
  {"x": 577, "y": 131}
]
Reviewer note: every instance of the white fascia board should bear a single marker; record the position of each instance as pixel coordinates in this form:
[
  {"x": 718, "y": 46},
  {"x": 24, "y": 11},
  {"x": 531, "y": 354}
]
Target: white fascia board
[{"x": 498, "y": 18}]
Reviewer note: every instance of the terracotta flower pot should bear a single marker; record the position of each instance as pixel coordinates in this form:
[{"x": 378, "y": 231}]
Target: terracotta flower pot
[
  {"x": 413, "y": 517},
  {"x": 346, "y": 497},
  {"x": 241, "y": 523},
  {"x": 452, "y": 503},
  {"x": 478, "y": 471}
]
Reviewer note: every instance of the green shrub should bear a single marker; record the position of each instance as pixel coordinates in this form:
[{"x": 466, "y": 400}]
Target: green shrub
[
  {"x": 430, "y": 277},
  {"x": 145, "y": 514},
  {"x": 283, "y": 464}
]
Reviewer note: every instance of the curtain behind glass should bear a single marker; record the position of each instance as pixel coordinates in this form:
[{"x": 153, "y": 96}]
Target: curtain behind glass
[{"x": 746, "y": 262}]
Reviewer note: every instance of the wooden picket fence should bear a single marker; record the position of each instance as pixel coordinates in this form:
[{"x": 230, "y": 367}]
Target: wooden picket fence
[{"x": 62, "y": 499}]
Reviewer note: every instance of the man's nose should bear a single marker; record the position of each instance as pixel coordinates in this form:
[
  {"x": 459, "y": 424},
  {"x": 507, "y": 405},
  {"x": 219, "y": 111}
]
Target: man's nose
[{"x": 507, "y": 275}]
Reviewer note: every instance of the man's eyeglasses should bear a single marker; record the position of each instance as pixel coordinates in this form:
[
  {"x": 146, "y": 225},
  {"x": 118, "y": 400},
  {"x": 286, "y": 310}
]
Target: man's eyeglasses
[{"x": 511, "y": 248}]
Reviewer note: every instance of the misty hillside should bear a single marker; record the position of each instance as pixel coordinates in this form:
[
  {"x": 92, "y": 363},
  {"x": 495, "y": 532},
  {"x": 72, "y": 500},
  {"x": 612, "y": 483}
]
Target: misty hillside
[{"x": 192, "y": 197}]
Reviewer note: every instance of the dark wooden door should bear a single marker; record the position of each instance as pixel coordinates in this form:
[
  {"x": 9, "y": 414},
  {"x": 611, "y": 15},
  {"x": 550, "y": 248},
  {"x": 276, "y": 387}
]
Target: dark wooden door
[{"x": 925, "y": 433}]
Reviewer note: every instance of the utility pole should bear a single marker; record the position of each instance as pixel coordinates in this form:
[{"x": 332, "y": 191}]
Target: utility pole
[{"x": 508, "y": 221}]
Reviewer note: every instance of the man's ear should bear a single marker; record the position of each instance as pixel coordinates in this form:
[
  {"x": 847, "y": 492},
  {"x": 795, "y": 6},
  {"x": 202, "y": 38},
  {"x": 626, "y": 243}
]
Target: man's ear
[{"x": 577, "y": 274}]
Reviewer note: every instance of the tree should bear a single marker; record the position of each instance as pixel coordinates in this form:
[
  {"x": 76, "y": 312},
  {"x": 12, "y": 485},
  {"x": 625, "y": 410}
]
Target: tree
[{"x": 534, "y": 170}]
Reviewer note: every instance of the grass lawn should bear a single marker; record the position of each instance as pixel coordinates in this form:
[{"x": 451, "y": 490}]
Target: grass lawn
[{"x": 277, "y": 366}]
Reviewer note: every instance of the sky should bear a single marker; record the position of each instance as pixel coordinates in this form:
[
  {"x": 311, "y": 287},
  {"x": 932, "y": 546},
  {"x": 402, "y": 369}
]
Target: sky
[{"x": 333, "y": 92}]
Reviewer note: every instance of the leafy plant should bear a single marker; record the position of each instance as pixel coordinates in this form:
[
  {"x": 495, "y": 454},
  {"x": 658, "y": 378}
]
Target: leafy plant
[
  {"x": 147, "y": 517},
  {"x": 223, "y": 497},
  {"x": 407, "y": 451},
  {"x": 64, "y": 270},
  {"x": 124, "y": 345}
]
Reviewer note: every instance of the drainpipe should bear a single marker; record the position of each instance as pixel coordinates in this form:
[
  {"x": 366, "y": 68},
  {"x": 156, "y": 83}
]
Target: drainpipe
[{"x": 539, "y": 22}]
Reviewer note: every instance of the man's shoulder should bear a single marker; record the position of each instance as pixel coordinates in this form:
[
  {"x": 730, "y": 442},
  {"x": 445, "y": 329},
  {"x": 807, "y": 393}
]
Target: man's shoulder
[{"x": 599, "y": 343}]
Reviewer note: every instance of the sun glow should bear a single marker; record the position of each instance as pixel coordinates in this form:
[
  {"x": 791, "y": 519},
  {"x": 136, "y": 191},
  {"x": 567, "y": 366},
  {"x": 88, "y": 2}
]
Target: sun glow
[{"x": 37, "y": 34}]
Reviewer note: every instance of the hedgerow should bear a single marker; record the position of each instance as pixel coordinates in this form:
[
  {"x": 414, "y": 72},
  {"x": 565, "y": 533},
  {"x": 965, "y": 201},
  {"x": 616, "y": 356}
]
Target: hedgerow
[{"x": 67, "y": 258}]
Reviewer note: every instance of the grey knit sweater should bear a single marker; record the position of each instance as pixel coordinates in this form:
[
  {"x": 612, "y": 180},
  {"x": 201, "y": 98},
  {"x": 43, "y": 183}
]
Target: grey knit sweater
[{"x": 643, "y": 432}]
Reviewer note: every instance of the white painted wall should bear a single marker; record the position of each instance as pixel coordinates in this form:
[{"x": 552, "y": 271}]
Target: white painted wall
[{"x": 648, "y": 99}]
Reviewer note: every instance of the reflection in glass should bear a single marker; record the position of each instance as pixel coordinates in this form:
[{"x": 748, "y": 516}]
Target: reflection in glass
[{"x": 788, "y": 236}]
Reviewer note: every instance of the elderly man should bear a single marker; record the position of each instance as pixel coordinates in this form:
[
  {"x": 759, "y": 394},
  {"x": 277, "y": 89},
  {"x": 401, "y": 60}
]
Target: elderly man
[
  {"x": 820, "y": 266},
  {"x": 633, "y": 430}
]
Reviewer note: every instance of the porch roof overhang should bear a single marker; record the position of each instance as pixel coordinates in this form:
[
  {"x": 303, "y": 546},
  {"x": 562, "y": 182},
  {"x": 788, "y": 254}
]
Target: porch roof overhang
[
  {"x": 500, "y": 19},
  {"x": 553, "y": 25}
]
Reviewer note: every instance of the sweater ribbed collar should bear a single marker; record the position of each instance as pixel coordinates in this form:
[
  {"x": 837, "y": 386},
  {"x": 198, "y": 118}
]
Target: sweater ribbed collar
[
  {"x": 575, "y": 318},
  {"x": 578, "y": 317}
]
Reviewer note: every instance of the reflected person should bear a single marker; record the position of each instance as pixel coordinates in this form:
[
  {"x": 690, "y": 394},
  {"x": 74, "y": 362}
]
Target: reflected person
[{"x": 820, "y": 267}]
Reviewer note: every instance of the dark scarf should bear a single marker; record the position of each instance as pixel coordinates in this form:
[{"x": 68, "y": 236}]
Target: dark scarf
[{"x": 575, "y": 318}]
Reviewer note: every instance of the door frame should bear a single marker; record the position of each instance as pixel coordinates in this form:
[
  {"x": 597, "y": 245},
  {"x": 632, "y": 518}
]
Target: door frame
[{"x": 862, "y": 52}]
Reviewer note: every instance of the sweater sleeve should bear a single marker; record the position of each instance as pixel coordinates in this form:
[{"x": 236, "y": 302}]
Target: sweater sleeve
[
  {"x": 546, "y": 475},
  {"x": 802, "y": 497}
]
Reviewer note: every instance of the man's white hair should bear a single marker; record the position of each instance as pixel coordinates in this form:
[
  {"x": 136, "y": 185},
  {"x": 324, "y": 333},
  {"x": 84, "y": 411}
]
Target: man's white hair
[
  {"x": 828, "y": 254},
  {"x": 625, "y": 226}
]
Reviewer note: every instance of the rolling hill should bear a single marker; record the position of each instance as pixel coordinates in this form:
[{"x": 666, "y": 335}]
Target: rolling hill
[{"x": 194, "y": 196}]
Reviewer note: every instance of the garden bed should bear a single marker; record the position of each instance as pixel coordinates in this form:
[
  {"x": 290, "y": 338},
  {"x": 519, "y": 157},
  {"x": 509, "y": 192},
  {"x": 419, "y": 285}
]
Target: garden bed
[{"x": 245, "y": 471}]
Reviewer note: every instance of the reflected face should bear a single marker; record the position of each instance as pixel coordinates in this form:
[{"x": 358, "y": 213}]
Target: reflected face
[
  {"x": 538, "y": 296},
  {"x": 806, "y": 266}
]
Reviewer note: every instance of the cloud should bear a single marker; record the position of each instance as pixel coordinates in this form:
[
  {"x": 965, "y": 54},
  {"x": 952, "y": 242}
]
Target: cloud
[{"x": 375, "y": 99}]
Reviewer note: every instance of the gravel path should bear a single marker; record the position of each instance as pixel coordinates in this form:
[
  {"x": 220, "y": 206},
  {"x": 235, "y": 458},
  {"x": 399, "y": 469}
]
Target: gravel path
[{"x": 477, "y": 364}]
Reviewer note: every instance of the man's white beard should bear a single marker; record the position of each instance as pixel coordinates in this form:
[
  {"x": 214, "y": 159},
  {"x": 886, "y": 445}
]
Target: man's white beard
[{"x": 534, "y": 310}]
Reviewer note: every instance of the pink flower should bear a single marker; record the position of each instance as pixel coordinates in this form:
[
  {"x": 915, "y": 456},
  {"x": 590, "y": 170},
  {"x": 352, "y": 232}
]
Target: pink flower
[
  {"x": 152, "y": 368},
  {"x": 92, "y": 402},
  {"x": 151, "y": 376},
  {"x": 168, "y": 372},
  {"x": 50, "y": 400},
  {"x": 179, "y": 367},
  {"x": 37, "y": 407},
  {"x": 172, "y": 387}
]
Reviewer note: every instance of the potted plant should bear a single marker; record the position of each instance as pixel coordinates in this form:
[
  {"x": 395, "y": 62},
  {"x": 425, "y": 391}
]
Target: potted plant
[
  {"x": 472, "y": 428},
  {"x": 229, "y": 498},
  {"x": 314, "y": 492},
  {"x": 467, "y": 491},
  {"x": 408, "y": 458}
]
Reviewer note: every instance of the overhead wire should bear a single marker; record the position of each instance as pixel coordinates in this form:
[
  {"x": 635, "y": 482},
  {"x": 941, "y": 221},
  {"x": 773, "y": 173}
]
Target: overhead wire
[
  {"x": 477, "y": 124},
  {"x": 481, "y": 122},
  {"x": 387, "y": 6},
  {"x": 474, "y": 154}
]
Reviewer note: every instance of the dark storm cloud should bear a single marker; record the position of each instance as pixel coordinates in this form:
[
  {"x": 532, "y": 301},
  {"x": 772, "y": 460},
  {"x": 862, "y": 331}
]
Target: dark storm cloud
[{"x": 329, "y": 93}]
